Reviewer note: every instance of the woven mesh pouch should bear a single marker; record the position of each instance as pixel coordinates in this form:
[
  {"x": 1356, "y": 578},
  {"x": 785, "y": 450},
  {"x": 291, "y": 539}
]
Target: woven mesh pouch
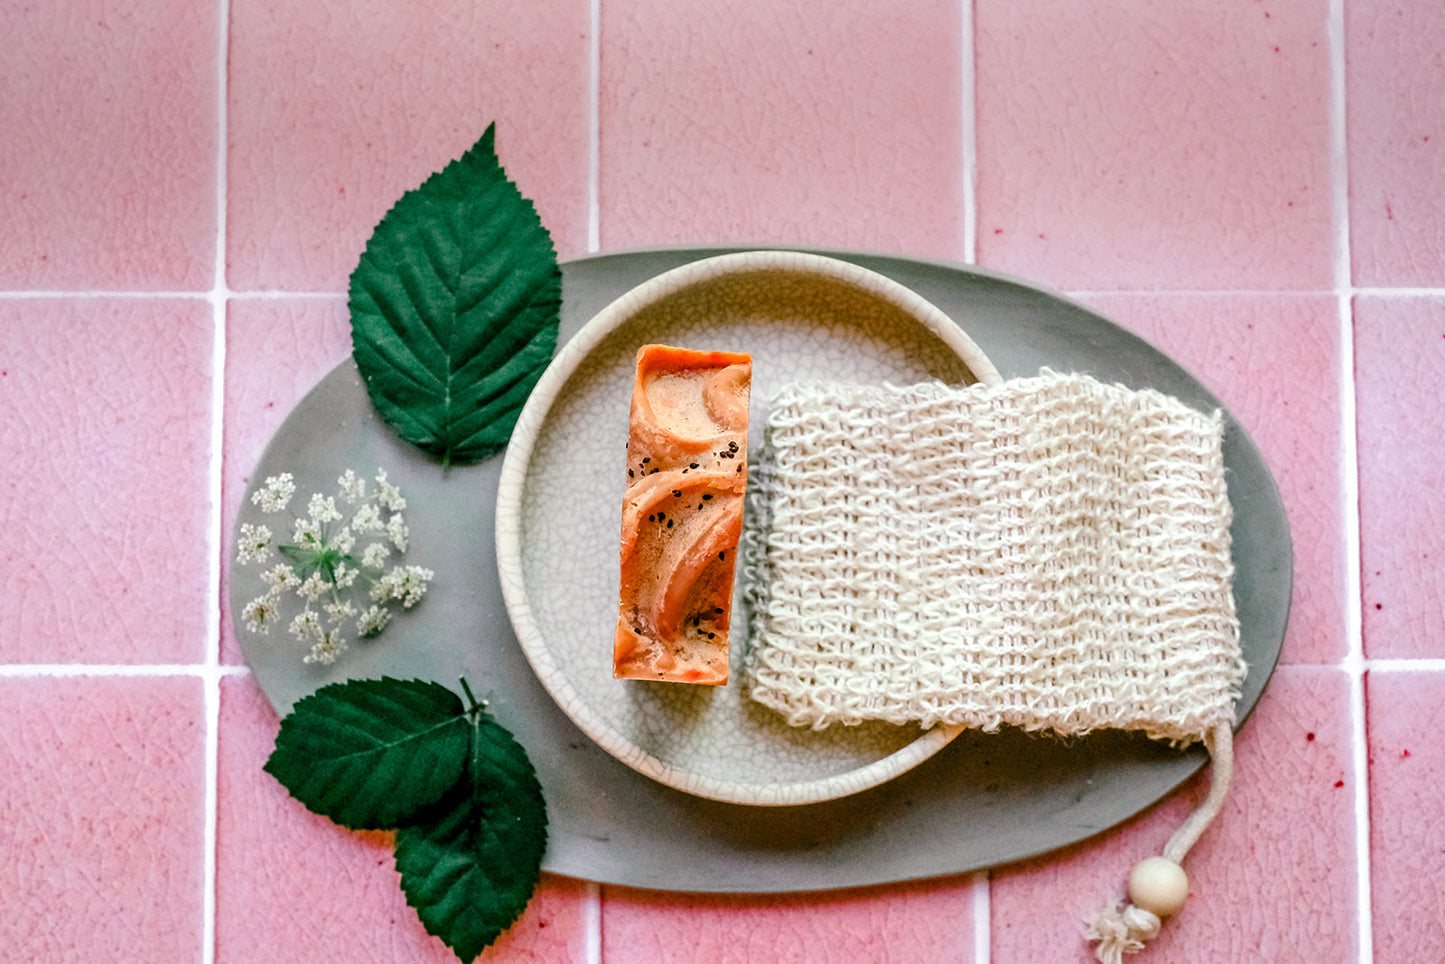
[{"x": 1051, "y": 553}]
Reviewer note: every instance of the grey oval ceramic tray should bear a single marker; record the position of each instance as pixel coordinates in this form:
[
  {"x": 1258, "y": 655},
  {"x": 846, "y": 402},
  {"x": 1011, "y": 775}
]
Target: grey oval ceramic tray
[{"x": 981, "y": 801}]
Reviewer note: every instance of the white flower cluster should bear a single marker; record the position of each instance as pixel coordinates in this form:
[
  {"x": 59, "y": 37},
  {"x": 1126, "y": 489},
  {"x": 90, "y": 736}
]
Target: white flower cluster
[{"x": 341, "y": 541}]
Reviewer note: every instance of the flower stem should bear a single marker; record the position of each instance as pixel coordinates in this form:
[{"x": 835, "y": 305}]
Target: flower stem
[{"x": 475, "y": 706}]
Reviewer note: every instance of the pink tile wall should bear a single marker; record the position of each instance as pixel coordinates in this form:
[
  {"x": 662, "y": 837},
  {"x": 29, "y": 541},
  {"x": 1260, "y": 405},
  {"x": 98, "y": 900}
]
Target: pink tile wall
[
  {"x": 818, "y": 123},
  {"x": 108, "y": 159},
  {"x": 1396, "y": 75},
  {"x": 1180, "y": 145},
  {"x": 102, "y": 819},
  {"x": 919, "y": 923},
  {"x": 1260, "y": 888},
  {"x": 337, "y": 108},
  {"x": 1274, "y": 361},
  {"x": 1399, "y": 359},
  {"x": 1407, "y": 817},
  {"x": 1172, "y": 161},
  {"x": 103, "y": 483},
  {"x": 292, "y": 886}
]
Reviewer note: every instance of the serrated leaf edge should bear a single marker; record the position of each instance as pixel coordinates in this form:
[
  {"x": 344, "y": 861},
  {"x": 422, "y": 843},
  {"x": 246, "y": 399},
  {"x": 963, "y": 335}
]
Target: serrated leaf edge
[
  {"x": 443, "y": 439},
  {"x": 286, "y": 748},
  {"x": 459, "y": 869}
]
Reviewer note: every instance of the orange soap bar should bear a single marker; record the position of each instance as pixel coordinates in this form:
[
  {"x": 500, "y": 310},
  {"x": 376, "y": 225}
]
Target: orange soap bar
[{"x": 682, "y": 514}]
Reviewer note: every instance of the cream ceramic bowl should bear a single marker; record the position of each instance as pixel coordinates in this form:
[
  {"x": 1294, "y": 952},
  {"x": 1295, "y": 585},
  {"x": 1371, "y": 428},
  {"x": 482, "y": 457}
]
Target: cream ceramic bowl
[{"x": 559, "y": 503}]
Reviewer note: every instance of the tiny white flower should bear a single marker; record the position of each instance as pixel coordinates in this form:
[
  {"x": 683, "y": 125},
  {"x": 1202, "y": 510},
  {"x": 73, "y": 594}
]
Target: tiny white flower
[
  {"x": 405, "y": 584},
  {"x": 327, "y": 647},
  {"x": 387, "y": 494},
  {"x": 276, "y": 494},
  {"x": 397, "y": 532},
  {"x": 253, "y": 543},
  {"x": 338, "y": 611},
  {"x": 375, "y": 556},
  {"x": 417, "y": 581},
  {"x": 322, "y": 509},
  {"x": 281, "y": 577},
  {"x": 373, "y": 621},
  {"x": 314, "y": 587},
  {"x": 353, "y": 486},
  {"x": 367, "y": 519},
  {"x": 345, "y": 576},
  {"x": 261, "y": 612},
  {"x": 306, "y": 624},
  {"x": 306, "y": 534},
  {"x": 344, "y": 541}
]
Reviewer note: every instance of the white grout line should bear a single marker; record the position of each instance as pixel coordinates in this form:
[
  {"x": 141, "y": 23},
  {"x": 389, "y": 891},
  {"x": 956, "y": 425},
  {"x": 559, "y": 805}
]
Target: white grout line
[
  {"x": 594, "y": 127},
  {"x": 592, "y": 923},
  {"x": 260, "y": 295},
  {"x": 968, "y": 103},
  {"x": 1339, "y": 153},
  {"x": 37, "y": 295},
  {"x": 1354, "y": 662},
  {"x": 969, "y": 110},
  {"x": 209, "y": 295},
  {"x": 119, "y": 670},
  {"x": 1199, "y": 292},
  {"x": 1405, "y": 665},
  {"x": 982, "y": 935},
  {"x": 213, "y": 670},
  {"x": 1400, "y": 292}
]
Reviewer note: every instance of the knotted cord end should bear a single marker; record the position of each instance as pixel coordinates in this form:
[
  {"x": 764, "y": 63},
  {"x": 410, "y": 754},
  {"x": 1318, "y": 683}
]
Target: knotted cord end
[{"x": 1122, "y": 929}]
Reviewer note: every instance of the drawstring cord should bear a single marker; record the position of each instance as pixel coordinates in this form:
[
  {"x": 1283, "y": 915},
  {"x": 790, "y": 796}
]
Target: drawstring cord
[{"x": 1158, "y": 885}]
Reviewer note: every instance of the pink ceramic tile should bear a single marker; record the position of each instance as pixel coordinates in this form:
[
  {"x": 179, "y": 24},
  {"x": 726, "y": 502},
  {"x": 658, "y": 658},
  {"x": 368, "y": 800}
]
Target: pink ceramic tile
[
  {"x": 338, "y": 107},
  {"x": 277, "y": 349},
  {"x": 821, "y": 123},
  {"x": 292, "y": 886},
  {"x": 1407, "y": 815},
  {"x": 1273, "y": 879},
  {"x": 102, "y": 819},
  {"x": 1395, "y": 102},
  {"x": 108, "y": 162},
  {"x": 1399, "y": 355},
  {"x": 1181, "y": 145},
  {"x": 1274, "y": 361},
  {"x": 103, "y": 485},
  {"x": 919, "y": 923}
]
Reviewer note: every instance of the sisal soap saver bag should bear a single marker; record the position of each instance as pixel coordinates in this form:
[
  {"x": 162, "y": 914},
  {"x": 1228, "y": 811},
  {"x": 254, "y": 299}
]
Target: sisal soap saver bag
[{"x": 1051, "y": 553}]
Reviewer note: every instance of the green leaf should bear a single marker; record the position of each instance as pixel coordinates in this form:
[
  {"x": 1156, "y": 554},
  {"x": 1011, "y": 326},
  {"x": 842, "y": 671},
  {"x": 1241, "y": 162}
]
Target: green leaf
[
  {"x": 454, "y": 308},
  {"x": 469, "y": 866},
  {"x": 371, "y": 754}
]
